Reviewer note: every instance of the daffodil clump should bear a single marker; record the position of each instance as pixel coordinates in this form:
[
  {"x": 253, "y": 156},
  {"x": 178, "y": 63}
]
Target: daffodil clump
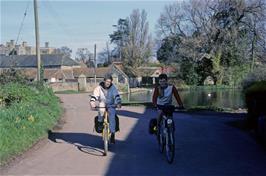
[{"x": 26, "y": 112}]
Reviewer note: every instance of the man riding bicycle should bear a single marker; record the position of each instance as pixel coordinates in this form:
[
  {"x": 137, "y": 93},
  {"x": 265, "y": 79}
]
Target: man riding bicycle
[
  {"x": 162, "y": 95},
  {"x": 107, "y": 95}
]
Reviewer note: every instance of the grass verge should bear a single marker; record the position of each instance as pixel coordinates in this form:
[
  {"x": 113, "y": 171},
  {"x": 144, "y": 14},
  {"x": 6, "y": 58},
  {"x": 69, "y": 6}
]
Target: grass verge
[{"x": 26, "y": 113}]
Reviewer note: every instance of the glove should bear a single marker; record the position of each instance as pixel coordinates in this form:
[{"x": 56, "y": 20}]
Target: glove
[
  {"x": 93, "y": 105},
  {"x": 119, "y": 106}
]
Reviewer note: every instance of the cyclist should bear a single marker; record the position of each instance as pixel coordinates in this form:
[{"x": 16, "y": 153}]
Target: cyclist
[
  {"x": 107, "y": 95},
  {"x": 162, "y": 95}
]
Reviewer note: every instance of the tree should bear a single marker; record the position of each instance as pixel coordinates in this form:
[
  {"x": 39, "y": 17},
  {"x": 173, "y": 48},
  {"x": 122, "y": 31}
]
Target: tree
[
  {"x": 138, "y": 48},
  {"x": 65, "y": 51},
  {"x": 168, "y": 52},
  {"x": 133, "y": 40},
  {"x": 170, "y": 21},
  {"x": 105, "y": 56},
  {"x": 230, "y": 32},
  {"x": 120, "y": 37},
  {"x": 83, "y": 55}
]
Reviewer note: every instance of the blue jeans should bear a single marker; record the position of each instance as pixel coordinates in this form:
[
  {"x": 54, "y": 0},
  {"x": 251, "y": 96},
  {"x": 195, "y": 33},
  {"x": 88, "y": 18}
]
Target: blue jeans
[{"x": 111, "y": 112}]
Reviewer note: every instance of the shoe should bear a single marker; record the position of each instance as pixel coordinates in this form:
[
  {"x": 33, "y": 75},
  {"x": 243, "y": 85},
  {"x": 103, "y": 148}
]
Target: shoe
[
  {"x": 112, "y": 140},
  {"x": 100, "y": 127}
]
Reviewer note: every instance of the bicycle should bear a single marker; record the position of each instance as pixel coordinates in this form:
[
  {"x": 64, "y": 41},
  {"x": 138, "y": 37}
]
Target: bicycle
[
  {"x": 106, "y": 134},
  {"x": 165, "y": 132}
]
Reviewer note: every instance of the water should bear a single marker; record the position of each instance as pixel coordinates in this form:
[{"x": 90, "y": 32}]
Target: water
[{"x": 224, "y": 98}]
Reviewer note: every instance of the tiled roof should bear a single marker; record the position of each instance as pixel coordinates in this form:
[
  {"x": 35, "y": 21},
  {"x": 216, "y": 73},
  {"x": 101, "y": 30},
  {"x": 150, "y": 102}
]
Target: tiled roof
[
  {"x": 68, "y": 73},
  {"x": 89, "y": 72},
  {"x": 31, "y": 73},
  {"x": 53, "y": 73},
  {"x": 30, "y": 61}
]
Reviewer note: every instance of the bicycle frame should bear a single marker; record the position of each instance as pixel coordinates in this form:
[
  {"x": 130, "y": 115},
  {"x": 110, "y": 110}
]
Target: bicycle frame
[{"x": 106, "y": 134}]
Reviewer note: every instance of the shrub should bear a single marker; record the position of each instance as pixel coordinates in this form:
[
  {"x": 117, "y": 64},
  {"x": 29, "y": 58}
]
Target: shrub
[
  {"x": 259, "y": 74},
  {"x": 25, "y": 115},
  {"x": 12, "y": 75}
]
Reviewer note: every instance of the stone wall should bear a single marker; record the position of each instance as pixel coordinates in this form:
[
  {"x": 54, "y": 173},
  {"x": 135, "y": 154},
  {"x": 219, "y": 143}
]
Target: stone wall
[{"x": 63, "y": 86}]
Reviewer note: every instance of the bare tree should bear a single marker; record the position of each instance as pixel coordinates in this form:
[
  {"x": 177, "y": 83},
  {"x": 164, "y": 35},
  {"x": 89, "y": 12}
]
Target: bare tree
[
  {"x": 105, "y": 56},
  {"x": 138, "y": 48},
  {"x": 65, "y": 51},
  {"x": 83, "y": 55},
  {"x": 229, "y": 32}
]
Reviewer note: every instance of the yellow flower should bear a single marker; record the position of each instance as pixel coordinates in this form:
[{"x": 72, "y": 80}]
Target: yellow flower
[
  {"x": 17, "y": 119},
  {"x": 31, "y": 118}
]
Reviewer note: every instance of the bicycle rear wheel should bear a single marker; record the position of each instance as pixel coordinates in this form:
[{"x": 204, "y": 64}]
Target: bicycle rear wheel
[{"x": 170, "y": 146}]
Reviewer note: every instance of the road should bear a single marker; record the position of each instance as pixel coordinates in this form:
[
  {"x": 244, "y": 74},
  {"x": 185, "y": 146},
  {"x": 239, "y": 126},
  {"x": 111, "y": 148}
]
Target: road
[{"x": 206, "y": 144}]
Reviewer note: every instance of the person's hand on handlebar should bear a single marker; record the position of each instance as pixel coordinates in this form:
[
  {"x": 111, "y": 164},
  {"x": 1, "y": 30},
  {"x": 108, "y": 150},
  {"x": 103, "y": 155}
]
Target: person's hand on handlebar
[
  {"x": 119, "y": 106},
  {"x": 93, "y": 105}
]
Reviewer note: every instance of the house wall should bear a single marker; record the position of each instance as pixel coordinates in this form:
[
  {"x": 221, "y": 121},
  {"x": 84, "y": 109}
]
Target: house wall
[
  {"x": 134, "y": 82},
  {"x": 62, "y": 86}
]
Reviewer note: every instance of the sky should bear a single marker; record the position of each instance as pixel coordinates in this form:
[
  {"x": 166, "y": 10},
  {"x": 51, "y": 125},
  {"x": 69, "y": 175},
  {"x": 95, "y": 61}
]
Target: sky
[{"x": 76, "y": 24}]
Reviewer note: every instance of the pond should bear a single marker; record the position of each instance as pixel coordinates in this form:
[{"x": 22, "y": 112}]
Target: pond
[{"x": 223, "y": 98}]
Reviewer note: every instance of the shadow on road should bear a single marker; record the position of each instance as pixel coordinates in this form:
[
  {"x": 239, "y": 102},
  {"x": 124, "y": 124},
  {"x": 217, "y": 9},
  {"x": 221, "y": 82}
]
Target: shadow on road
[
  {"x": 139, "y": 153},
  {"x": 84, "y": 142},
  {"x": 205, "y": 145}
]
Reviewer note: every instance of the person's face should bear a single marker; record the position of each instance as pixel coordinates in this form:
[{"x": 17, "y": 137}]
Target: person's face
[
  {"x": 163, "y": 82},
  {"x": 107, "y": 83}
]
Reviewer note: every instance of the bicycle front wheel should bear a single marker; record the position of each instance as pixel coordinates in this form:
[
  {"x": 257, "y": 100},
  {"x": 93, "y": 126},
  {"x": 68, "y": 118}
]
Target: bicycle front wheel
[
  {"x": 161, "y": 140},
  {"x": 170, "y": 147},
  {"x": 105, "y": 140}
]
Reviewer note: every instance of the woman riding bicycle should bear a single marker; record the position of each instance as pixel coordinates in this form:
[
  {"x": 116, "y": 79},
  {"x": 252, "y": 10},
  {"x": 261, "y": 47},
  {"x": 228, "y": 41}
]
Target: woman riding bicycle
[
  {"x": 107, "y": 95},
  {"x": 162, "y": 96}
]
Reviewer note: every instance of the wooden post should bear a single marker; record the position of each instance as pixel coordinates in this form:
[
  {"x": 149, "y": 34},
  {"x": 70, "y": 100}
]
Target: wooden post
[{"x": 37, "y": 41}]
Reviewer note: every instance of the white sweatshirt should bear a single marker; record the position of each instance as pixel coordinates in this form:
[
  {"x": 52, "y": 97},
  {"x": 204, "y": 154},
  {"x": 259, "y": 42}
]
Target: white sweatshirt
[{"x": 109, "y": 96}]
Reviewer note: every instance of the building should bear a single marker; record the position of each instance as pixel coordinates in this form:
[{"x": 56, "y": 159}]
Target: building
[
  {"x": 61, "y": 72},
  {"x": 48, "y": 61},
  {"x": 148, "y": 76},
  {"x": 25, "y": 49}
]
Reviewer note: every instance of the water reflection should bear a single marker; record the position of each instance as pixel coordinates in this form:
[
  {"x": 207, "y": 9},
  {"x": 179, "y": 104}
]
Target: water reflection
[{"x": 226, "y": 98}]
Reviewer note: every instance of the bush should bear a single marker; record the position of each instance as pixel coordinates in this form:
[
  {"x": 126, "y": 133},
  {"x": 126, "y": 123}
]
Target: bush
[
  {"x": 12, "y": 75},
  {"x": 259, "y": 74},
  {"x": 255, "y": 96}
]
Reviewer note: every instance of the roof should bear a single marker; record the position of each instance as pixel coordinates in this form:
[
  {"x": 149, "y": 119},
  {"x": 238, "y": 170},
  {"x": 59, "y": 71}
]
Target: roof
[
  {"x": 147, "y": 71},
  {"x": 100, "y": 72},
  {"x": 48, "y": 73},
  {"x": 30, "y": 61},
  {"x": 89, "y": 72},
  {"x": 155, "y": 71}
]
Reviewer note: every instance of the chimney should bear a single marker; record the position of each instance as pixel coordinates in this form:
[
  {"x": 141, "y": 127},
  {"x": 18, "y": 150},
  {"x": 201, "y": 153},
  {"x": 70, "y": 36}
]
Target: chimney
[
  {"x": 46, "y": 44},
  {"x": 12, "y": 42},
  {"x": 24, "y": 44}
]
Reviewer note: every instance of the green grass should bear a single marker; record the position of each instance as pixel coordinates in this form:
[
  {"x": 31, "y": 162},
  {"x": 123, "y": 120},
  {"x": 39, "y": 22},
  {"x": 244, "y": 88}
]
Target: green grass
[
  {"x": 209, "y": 108},
  {"x": 26, "y": 113},
  {"x": 211, "y": 87}
]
